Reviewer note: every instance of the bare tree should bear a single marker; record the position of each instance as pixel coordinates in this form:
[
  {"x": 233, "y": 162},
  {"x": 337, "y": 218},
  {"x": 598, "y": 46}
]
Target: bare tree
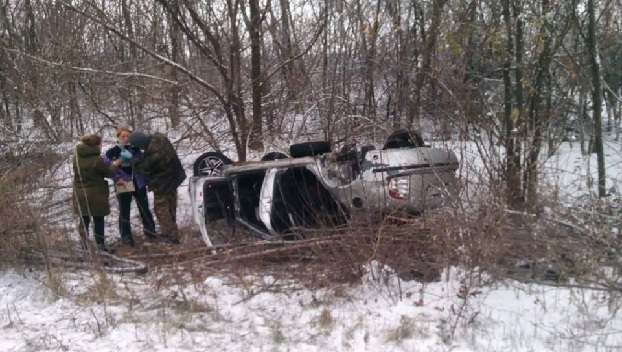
[
  {"x": 256, "y": 140},
  {"x": 176, "y": 54},
  {"x": 513, "y": 101},
  {"x": 406, "y": 55},
  {"x": 423, "y": 74},
  {"x": 592, "y": 46},
  {"x": 241, "y": 70}
]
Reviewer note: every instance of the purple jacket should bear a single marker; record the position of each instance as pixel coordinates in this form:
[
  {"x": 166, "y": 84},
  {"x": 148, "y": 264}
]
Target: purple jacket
[{"x": 126, "y": 171}]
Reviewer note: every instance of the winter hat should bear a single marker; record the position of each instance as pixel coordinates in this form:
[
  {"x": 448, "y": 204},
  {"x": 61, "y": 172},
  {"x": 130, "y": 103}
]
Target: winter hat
[
  {"x": 139, "y": 140},
  {"x": 91, "y": 140}
]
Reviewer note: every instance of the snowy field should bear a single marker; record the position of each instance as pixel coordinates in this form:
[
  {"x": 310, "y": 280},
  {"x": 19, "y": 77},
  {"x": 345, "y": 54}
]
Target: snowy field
[{"x": 88, "y": 311}]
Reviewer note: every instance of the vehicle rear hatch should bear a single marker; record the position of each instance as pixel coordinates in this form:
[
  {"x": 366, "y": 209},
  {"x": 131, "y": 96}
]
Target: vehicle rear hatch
[{"x": 418, "y": 178}]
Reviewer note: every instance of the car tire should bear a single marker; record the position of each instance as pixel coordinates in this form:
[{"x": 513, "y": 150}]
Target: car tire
[
  {"x": 274, "y": 156},
  {"x": 404, "y": 139},
  {"x": 309, "y": 149},
  {"x": 210, "y": 164}
]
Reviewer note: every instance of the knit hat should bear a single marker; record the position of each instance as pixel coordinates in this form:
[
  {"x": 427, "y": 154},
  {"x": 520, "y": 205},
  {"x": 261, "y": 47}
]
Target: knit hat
[{"x": 139, "y": 140}]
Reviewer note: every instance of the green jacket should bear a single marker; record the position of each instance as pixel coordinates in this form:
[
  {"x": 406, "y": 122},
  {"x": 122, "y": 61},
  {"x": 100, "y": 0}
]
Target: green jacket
[
  {"x": 90, "y": 187},
  {"x": 161, "y": 165}
]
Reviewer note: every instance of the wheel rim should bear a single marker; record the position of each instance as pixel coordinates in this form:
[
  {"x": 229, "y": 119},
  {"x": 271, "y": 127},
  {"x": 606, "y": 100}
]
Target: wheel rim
[{"x": 211, "y": 166}]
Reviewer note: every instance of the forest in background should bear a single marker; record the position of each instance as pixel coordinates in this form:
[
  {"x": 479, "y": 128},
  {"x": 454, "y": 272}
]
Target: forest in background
[{"x": 242, "y": 73}]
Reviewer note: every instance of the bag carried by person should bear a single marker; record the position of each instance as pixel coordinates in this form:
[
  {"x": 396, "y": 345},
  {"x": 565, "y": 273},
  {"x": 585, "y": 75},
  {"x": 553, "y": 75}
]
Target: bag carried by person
[{"x": 128, "y": 186}]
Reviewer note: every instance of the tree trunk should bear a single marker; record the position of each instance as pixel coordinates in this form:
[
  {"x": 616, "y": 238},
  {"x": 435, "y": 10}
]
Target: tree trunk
[
  {"x": 582, "y": 119},
  {"x": 592, "y": 47},
  {"x": 235, "y": 105},
  {"x": 369, "y": 34},
  {"x": 256, "y": 137},
  {"x": 541, "y": 104},
  {"x": 174, "y": 113},
  {"x": 75, "y": 114},
  {"x": 287, "y": 51},
  {"x": 511, "y": 114},
  {"x": 137, "y": 94},
  {"x": 428, "y": 53}
]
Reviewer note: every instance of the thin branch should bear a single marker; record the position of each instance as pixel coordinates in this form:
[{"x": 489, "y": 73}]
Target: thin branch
[
  {"x": 215, "y": 56},
  {"x": 93, "y": 70},
  {"x": 151, "y": 53},
  {"x": 95, "y": 104},
  {"x": 286, "y": 62}
]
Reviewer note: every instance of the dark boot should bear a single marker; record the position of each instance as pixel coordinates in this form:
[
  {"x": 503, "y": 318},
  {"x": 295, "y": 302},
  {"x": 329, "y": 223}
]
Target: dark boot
[
  {"x": 172, "y": 239},
  {"x": 102, "y": 248},
  {"x": 125, "y": 228},
  {"x": 150, "y": 235},
  {"x": 128, "y": 240}
]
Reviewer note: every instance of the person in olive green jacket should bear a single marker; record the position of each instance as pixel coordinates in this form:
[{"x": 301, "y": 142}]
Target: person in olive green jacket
[
  {"x": 90, "y": 188},
  {"x": 165, "y": 174}
]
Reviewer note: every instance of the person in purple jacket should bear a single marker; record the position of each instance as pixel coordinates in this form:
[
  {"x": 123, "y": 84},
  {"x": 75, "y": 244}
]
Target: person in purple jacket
[{"x": 127, "y": 173}]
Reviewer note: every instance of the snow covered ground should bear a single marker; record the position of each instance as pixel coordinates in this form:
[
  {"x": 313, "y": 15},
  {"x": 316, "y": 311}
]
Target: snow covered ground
[
  {"x": 224, "y": 313},
  {"x": 89, "y": 311}
]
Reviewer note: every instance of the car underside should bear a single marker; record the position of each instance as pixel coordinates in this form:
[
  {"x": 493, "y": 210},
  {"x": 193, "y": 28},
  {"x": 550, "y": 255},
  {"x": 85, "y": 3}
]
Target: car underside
[{"x": 278, "y": 199}]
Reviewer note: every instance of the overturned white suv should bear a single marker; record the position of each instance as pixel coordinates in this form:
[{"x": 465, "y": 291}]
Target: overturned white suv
[{"x": 314, "y": 187}]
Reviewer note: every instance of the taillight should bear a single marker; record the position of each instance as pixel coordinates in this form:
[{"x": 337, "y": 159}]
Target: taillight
[{"x": 398, "y": 187}]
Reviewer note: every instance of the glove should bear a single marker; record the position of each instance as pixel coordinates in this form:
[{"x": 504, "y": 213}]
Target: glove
[{"x": 126, "y": 154}]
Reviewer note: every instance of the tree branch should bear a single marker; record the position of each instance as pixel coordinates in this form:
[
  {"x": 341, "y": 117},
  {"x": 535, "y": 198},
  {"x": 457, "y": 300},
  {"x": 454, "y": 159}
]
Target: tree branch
[{"x": 151, "y": 53}]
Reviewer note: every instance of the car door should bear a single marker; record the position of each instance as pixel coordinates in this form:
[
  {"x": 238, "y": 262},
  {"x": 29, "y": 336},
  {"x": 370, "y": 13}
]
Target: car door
[
  {"x": 211, "y": 200},
  {"x": 266, "y": 199},
  {"x": 217, "y": 199},
  {"x": 195, "y": 191}
]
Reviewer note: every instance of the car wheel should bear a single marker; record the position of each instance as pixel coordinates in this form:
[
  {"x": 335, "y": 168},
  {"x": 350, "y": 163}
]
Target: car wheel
[
  {"x": 309, "y": 149},
  {"x": 210, "y": 164},
  {"x": 274, "y": 156},
  {"x": 404, "y": 139}
]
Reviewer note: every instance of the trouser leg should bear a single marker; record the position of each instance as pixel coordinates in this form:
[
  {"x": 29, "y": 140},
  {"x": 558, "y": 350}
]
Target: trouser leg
[
  {"x": 83, "y": 231},
  {"x": 98, "y": 224},
  {"x": 142, "y": 202},
  {"x": 172, "y": 207},
  {"x": 165, "y": 208},
  {"x": 125, "y": 226}
]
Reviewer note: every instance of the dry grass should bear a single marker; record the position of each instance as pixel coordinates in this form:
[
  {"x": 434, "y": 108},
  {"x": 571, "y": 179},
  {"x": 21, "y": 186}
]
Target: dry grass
[
  {"x": 20, "y": 219},
  {"x": 325, "y": 320},
  {"x": 490, "y": 240},
  {"x": 406, "y": 329}
]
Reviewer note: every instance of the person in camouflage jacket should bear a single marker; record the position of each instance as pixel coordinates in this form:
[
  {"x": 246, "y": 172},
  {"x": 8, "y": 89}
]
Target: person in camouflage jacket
[
  {"x": 90, "y": 188},
  {"x": 165, "y": 174}
]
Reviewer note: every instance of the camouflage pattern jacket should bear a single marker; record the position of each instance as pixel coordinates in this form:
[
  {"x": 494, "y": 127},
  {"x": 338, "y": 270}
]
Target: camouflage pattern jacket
[{"x": 161, "y": 165}]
